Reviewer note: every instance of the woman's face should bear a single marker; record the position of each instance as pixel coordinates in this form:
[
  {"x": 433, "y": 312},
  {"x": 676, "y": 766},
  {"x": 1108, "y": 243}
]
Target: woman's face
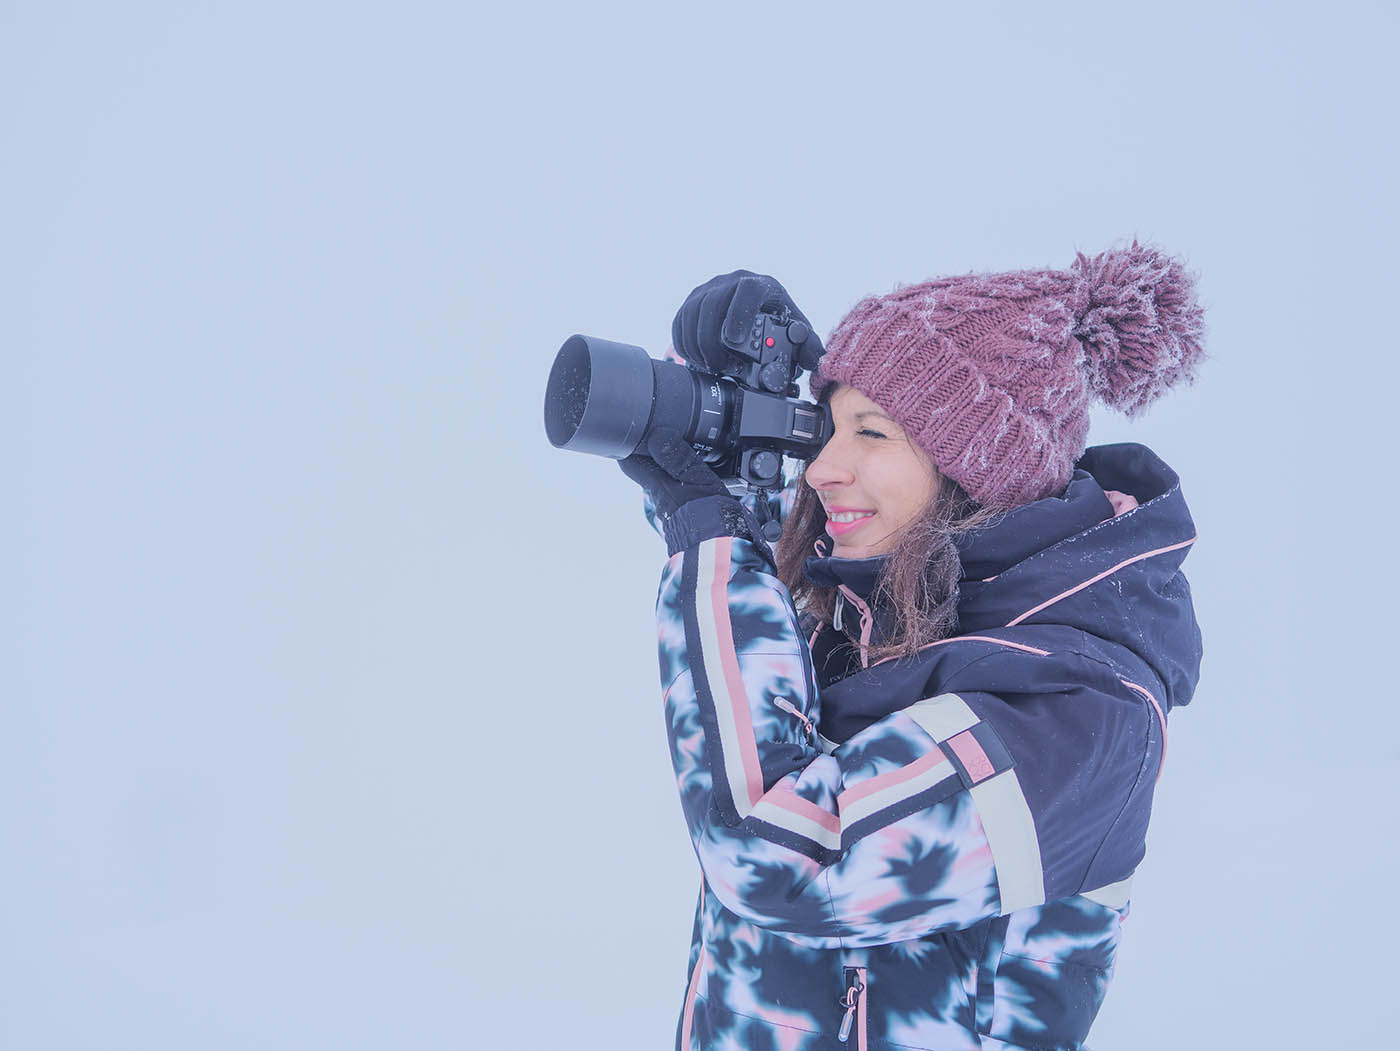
[{"x": 872, "y": 480}]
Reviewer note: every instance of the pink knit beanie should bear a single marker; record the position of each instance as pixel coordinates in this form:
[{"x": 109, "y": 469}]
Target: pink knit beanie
[{"x": 991, "y": 374}]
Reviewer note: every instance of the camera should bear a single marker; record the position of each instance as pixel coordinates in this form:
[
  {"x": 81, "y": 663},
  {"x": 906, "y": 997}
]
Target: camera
[{"x": 605, "y": 398}]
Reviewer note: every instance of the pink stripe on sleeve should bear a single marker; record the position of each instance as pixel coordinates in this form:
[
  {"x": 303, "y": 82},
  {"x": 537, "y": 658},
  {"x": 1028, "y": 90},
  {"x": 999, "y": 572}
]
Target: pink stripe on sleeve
[
  {"x": 794, "y": 803},
  {"x": 734, "y": 681},
  {"x": 892, "y": 778}
]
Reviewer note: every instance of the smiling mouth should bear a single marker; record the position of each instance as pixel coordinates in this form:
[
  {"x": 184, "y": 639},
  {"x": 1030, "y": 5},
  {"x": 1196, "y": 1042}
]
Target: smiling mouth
[{"x": 838, "y": 523}]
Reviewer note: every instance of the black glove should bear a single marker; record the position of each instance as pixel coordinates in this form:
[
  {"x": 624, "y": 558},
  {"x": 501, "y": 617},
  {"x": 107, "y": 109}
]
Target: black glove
[
  {"x": 671, "y": 471},
  {"x": 693, "y": 503},
  {"x": 717, "y": 316}
]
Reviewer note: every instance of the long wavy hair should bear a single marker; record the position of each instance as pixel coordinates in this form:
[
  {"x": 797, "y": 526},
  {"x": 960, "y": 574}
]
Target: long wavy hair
[{"x": 919, "y": 580}]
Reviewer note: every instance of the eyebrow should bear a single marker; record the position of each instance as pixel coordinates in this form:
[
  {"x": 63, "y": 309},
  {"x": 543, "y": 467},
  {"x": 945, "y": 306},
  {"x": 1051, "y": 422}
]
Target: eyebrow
[{"x": 871, "y": 412}]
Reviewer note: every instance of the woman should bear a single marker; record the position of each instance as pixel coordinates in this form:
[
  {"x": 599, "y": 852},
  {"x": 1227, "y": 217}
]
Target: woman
[{"x": 918, "y": 807}]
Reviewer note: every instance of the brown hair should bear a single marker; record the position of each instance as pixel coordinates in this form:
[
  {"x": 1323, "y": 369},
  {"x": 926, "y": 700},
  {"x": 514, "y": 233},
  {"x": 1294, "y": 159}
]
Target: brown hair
[{"x": 919, "y": 579}]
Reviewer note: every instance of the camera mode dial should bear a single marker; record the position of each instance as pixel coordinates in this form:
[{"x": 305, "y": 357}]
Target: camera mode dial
[{"x": 772, "y": 348}]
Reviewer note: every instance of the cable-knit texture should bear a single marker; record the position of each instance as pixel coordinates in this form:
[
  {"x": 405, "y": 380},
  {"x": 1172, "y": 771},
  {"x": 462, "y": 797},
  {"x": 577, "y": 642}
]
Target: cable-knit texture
[{"x": 991, "y": 374}]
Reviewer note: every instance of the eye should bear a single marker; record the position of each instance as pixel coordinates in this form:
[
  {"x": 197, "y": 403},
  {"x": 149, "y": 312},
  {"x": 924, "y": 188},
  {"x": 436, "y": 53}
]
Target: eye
[{"x": 870, "y": 432}]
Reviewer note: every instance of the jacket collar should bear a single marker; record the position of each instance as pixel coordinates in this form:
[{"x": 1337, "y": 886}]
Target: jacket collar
[{"x": 827, "y": 571}]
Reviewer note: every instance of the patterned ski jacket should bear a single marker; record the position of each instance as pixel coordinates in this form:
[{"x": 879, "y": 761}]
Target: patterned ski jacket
[{"x": 933, "y": 852}]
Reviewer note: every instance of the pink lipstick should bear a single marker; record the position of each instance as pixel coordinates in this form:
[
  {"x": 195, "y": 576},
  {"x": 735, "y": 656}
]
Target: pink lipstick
[{"x": 836, "y": 529}]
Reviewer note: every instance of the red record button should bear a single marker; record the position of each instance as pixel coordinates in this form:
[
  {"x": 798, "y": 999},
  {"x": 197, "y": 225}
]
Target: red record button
[{"x": 770, "y": 341}]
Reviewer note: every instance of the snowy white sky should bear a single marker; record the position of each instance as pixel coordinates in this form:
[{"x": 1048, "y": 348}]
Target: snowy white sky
[{"x": 330, "y": 714}]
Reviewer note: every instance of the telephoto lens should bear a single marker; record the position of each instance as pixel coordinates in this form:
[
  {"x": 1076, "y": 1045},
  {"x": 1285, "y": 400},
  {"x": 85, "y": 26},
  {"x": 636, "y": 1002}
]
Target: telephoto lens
[{"x": 604, "y": 397}]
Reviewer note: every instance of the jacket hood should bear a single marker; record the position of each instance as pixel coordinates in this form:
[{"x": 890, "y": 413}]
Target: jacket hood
[{"x": 1091, "y": 558}]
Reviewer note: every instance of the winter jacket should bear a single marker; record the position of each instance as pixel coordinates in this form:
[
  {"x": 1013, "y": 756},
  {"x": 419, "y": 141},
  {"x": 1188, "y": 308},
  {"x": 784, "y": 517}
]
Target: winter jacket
[{"x": 932, "y": 852}]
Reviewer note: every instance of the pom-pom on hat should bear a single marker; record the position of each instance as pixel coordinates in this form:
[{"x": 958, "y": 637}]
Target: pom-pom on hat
[{"x": 992, "y": 374}]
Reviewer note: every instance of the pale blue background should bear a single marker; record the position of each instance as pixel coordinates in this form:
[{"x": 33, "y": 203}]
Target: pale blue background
[{"x": 330, "y": 712}]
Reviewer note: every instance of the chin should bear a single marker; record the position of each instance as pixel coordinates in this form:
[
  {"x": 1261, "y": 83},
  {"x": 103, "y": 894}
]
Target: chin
[
  {"x": 861, "y": 549},
  {"x": 853, "y": 550}
]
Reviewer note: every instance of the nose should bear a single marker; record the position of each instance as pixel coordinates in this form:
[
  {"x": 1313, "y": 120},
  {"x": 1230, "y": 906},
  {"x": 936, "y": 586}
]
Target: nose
[{"x": 830, "y": 469}]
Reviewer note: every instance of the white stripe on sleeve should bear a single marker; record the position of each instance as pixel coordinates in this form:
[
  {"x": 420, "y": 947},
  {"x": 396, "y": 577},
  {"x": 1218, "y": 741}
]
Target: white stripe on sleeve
[
  {"x": 1006, "y": 818},
  {"x": 943, "y": 716}
]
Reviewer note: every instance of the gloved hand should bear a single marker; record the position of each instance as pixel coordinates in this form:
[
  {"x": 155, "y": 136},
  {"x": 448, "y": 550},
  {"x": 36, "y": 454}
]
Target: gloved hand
[
  {"x": 671, "y": 471},
  {"x": 716, "y": 318},
  {"x": 694, "y": 505}
]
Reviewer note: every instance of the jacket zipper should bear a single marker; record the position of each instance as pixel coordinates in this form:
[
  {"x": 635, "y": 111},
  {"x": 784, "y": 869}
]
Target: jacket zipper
[
  {"x": 853, "y": 1000},
  {"x": 791, "y": 709}
]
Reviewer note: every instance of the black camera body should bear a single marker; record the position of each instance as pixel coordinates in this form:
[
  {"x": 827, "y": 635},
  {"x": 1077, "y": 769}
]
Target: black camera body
[
  {"x": 605, "y": 398},
  {"x": 772, "y": 355}
]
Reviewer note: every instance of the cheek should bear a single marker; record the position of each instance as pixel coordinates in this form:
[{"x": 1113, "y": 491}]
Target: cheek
[
  {"x": 909, "y": 505},
  {"x": 894, "y": 494},
  {"x": 907, "y": 490}
]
